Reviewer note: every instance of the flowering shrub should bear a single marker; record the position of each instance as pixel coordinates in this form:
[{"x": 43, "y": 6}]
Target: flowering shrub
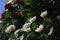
[{"x": 30, "y": 20}]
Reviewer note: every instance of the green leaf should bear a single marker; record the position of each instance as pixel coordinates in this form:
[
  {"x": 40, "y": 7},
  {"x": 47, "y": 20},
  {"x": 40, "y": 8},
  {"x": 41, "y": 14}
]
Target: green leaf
[
  {"x": 8, "y": 14},
  {"x": 14, "y": 21},
  {"x": 22, "y": 8},
  {"x": 5, "y": 26},
  {"x": 29, "y": 14},
  {"x": 35, "y": 25},
  {"x": 46, "y": 19},
  {"x": 27, "y": 2}
]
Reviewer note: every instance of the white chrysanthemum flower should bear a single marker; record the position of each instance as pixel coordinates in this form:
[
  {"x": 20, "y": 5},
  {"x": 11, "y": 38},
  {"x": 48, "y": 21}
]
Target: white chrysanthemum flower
[
  {"x": 32, "y": 19},
  {"x": 40, "y": 28},
  {"x": 9, "y": 1},
  {"x": 51, "y": 30},
  {"x": 26, "y": 27},
  {"x": 43, "y": 14},
  {"x": 16, "y": 32},
  {"x": 10, "y": 28}
]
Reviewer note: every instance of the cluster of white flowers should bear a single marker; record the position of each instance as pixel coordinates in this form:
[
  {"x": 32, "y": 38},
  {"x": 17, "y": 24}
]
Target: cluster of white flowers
[
  {"x": 9, "y": 1},
  {"x": 10, "y": 28},
  {"x": 26, "y": 27},
  {"x": 40, "y": 28},
  {"x": 43, "y": 14},
  {"x": 32, "y": 19}
]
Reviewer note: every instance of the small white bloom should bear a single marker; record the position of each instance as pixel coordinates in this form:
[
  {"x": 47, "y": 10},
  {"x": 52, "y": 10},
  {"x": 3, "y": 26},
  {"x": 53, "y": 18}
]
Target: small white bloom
[
  {"x": 6, "y": 10},
  {"x": 32, "y": 19},
  {"x": 10, "y": 28},
  {"x": 58, "y": 17},
  {"x": 0, "y": 21},
  {"x": 16, "y": 32},
  {"x": 40, "y": 28},
  {"x": 51, "y": 30},
  {"x": 21, "y": 37},
  {"x": 9, "y": 38},
  {"x": 26, "y": 27},
  {"x": 15, "y": 5},
  {"x": 43, "y": 14},
  {"x": 9, "y": 1}
]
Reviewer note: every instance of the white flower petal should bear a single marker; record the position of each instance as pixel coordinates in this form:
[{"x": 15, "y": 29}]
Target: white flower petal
[
  {"x": 40, "y": 28},
  {"x": 37, "y": 30},
  {"x": 15, "y": 5},
  {"x": 10, "y": 28},
  {"x": 32, "y": 19},
  {"x": 16, "y": 32},
  {"x": 26, "y": 27},
  {"x": 6, "y": 10},
  {"x": 21, "y": 37},
  {"x": 51, "y": 30},
  {"x": 0, "y": 21},
  {"x": 43, "y": 14},
  {"x": 9, "y": 38},
  {"x": 58, "y": 17}
]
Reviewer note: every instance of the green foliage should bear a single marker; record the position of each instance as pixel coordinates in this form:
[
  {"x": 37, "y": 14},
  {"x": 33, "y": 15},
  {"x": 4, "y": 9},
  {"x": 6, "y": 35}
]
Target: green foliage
[
  {"x": 7, "y": 15},
  {"x": 29, "y": 9},
  {"x": 35, "y": 25},
  {"x": 27, "y": 2},
  {"x": 14, "y": 21}
]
